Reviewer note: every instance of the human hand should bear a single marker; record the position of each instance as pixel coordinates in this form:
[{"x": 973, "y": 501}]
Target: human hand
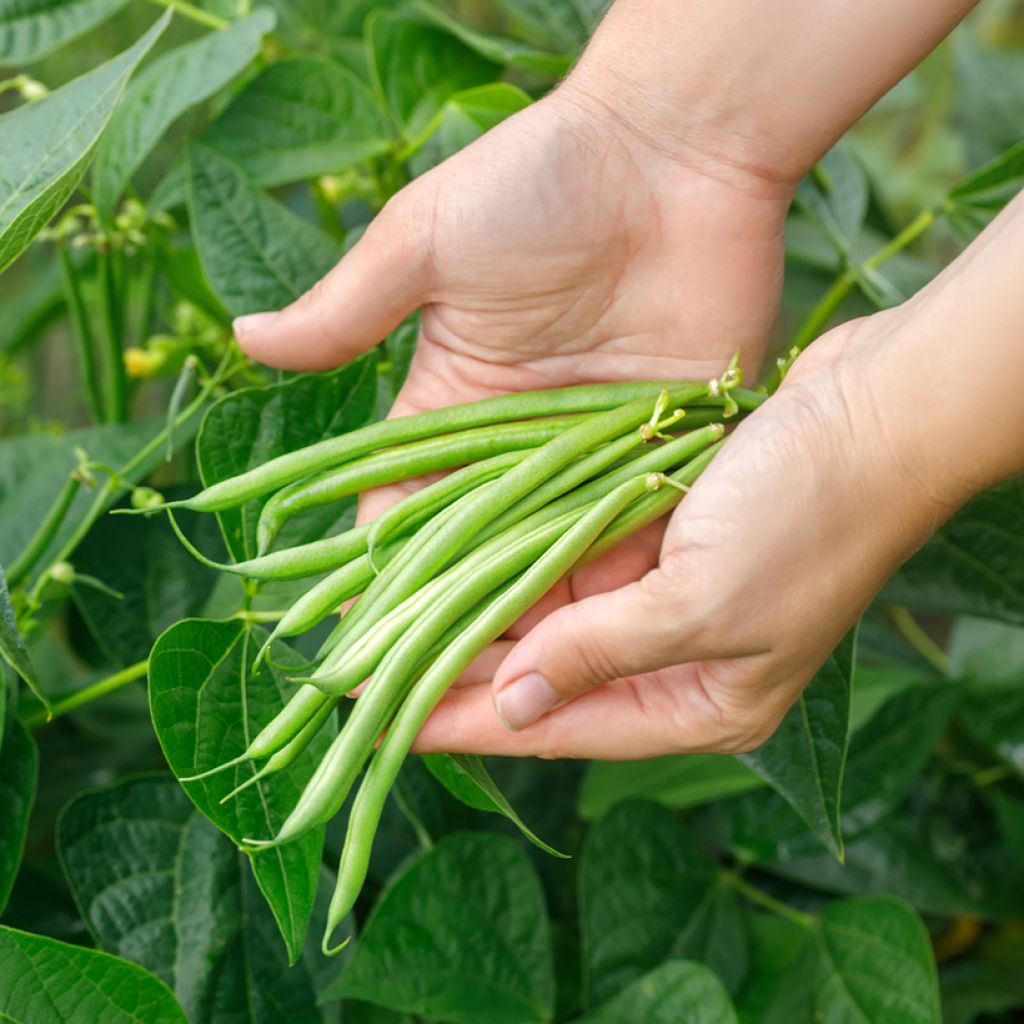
[{"x": 769, "y": 560}]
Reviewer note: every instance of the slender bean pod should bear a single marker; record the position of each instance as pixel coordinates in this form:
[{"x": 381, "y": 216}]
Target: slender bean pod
[
  {"x": 424, "y": 696},
  {"x": 292, "y": 466},
  {"x": 405, "y": 462}
]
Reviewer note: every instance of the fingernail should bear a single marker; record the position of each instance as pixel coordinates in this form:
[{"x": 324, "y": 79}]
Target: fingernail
[
  {"x": 523, "y": 701},
  {"x": 253, "y": 322}
]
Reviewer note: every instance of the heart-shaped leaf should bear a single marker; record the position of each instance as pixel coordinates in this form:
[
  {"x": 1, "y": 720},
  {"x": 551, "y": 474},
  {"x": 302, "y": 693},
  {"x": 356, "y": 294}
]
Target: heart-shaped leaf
[{"x": 207, "y": 703}]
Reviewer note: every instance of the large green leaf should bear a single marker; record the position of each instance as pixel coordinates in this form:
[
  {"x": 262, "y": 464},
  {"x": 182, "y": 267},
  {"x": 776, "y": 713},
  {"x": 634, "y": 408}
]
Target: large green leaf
[
  {"x": 416, "y": 66},
  {"x": 509, "y": 52},
  {"x": 159, "y": 885},
  {"x": 256, "y": 253},
  {"x": 649, "y": 894},
  {"x": 206, "y": 703},
  {"x": 19, "y": 771},
  {"x": 993, "y": 185},
  {"x": 461, "y": 935},
  {"x": 249, "y": 427},
  {"x": 47, "y": 145},
  {"x": 805, "y": 758},
  {"x": 166, "y": 89},
  {"x": 463, "y": 119},
  {"x": 679, "y": 782},
  {"x": 155, "y": 580},
  {"x": 777, "y": 946},
  {"x": 12, "y": 646},
  {"x": 466, "y": 777},
  {"x": 564, "y": 25},
  {"x": 43, "y": 981},
  {"x": 995, "y": 721},
  {"x": 679, "y": 992},
  {"x": 299, "y": 118},
  {"x": 30, "y": 29},
  {"x": 835, "y": 196},
  {"x": 874, "y": 965},
  {"x": 886, "y": 758},
  {"x": 974, "y": 565}
]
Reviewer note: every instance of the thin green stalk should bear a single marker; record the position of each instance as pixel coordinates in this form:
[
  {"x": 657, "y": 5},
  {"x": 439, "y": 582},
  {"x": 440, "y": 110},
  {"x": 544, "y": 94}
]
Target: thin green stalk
[
  {"x": 193, "y": 13},
  {"x": 47, "y": 530},
  {"x": 87, "y": 694},
  {"x": 910, "y": 630},
  {"x": 113, "y": 487},
  {"x": 85, "y": 344},
  {"x": 760, "y": 897},
  {"x": 823, "y": 312},
  {"x": 115, "y": 381}
]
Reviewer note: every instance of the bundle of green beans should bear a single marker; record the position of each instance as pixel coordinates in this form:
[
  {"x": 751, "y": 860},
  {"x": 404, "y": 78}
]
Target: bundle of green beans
[{"x": 540, "y": 482}]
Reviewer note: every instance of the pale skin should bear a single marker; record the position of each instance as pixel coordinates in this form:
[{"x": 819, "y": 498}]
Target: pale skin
[{"x": 630, "y": 226}]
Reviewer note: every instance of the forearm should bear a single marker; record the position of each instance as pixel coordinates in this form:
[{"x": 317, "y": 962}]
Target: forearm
[{"x": 764, "y": 87}]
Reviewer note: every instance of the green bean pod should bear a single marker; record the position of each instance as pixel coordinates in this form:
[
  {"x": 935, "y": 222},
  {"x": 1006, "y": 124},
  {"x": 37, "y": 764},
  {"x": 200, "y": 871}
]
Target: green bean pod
[
  {"x": 495, "y": 619},
  {"x": 334, "y": 451},
  {"x": 404, "y": 462}
]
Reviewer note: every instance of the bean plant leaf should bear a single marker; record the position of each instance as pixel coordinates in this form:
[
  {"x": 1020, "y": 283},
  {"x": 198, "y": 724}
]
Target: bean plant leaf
[
  {"x": 835, "y": 196},
  {"x": 206, "y": 703},
  {"x": 886, "y": 757},
  {"x": 687, "y": 780},
  {"x": 974, "y": 565},
  {"x": 30, "y": 29},
  {"x": 155, "y": 581},
  {"x": 19, "y": 774},
  {"x": 805, "y": 759},
  {"x": 299, "y": 118},
  {"x": 466, "y": 777},
  {"x": 873, "y": 963},
  {"x": 45, "y": 980},
  {"x": 463, "y": 119},
  {"x": 256, "y": 254},
  {"x": 564, "y": 25},
  {"x": 157, "y": 884},
  {"x": 678, "y": 992},
  {"x": 777, "y": 945},
  {"x": 48, "y": 144},
  {"x": 12, "y": 647},
  {"x": 993, "y": 185},
  {"x": 416, "y": 66},
  {"x": 507, "y": 52},
  {"x": 460, "y": 935},
  {"x": 251, "y": 426},
  {"x": 167, "y": 88},
  {"x": 648, "y": 894}
]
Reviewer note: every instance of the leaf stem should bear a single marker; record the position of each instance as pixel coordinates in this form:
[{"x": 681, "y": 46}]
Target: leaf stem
[
  {"x": 88, "y": 694},
  {"x": 47, "y": 530},
  {"x": 115, "y": 389},
  {"x": 85, "y": 345},
  {"x": 910, "y": 630},
  {"x": 760, "y": 897},
  {"x": 823, "y": 312},
  {"x": 196, "y": 14}
]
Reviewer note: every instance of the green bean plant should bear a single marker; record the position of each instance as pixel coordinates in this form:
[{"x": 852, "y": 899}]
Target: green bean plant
[{"x": 193, "y": 814}]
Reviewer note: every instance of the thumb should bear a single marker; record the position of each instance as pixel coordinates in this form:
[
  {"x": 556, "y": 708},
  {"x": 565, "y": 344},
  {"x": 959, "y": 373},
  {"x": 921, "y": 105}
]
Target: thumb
[
  {"x": 636, "y": 629},
  {"x": 378, "y": 283}
]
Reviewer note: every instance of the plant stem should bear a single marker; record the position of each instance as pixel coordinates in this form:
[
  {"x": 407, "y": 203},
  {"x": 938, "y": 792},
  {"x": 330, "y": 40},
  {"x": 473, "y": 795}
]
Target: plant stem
[
  {"x": 47, "y": 530},
  {"x": 115, "y": 486},
  {"x": 196, "y": 14},
  {"x": 87, "y": 694},
  {"x": 115, "y": 385},
  {"x": 82, "y": 331},
  {"x": 910, "y": 630},
  {"x": 820, "y": 315},
  {"x": 760, "y": 897}
]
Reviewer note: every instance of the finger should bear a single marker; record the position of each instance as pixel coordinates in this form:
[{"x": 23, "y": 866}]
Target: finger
[
  {"x": 379, "y": 282},
  {"x": 661, "y": 713},
  {"x": 630, "y": 631},
  {"x": 482, "y": 669}
]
